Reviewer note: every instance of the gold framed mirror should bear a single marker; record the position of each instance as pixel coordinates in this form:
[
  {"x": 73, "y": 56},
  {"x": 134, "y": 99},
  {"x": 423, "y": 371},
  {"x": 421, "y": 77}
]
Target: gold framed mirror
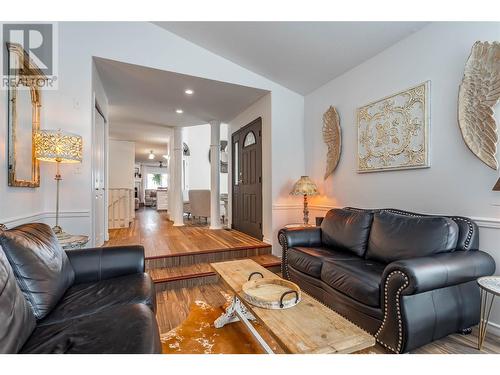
[{"x": 24, "y": 117}]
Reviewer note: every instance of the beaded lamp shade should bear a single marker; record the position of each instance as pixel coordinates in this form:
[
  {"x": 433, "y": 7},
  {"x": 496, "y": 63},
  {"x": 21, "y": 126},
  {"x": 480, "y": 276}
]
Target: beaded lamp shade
[
  {"x": 58, "y": 146},
  {"x": 304, "y": 186}
]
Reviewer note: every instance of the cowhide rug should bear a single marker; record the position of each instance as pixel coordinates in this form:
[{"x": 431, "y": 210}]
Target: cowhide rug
[{"x": 197, "y": 335}]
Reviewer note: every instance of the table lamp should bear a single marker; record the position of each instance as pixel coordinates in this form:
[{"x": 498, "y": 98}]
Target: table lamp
[
  {"x": 59, "y": 147},
  {"x": 304, "y": 186}
]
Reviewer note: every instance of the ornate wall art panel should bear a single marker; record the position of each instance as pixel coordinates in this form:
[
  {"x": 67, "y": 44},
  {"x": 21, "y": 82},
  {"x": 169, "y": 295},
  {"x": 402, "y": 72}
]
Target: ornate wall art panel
[
  {"x": 332, "y": 136},
  {"x": 393, "y": 132},
  {"x": 479, "y": 92}
]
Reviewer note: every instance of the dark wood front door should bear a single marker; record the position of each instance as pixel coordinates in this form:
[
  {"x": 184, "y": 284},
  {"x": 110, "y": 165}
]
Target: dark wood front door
[{"x": 247, "y": 179}]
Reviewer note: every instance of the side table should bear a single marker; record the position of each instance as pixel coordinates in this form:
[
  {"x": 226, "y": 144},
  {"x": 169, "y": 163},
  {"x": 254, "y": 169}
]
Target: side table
[
  {"x": 490, "y": 288},
  {"x": 73, "y": 242},
  {"x": 299, "y": 225}
]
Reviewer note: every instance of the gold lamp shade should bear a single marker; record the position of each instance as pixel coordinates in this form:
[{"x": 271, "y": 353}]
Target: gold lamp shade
[
  {"x": 58, "y": 146},
  {"x": 304, "y": 186}
]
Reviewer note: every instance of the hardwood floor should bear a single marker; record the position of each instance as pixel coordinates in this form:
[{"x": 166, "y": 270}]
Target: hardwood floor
[
  {"x": 173, "y": 308},
  {"x": 161, "y": 239}
]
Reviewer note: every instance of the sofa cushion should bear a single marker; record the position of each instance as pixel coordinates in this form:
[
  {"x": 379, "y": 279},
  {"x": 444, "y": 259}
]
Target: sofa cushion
[
  {"x": 310, "y": 259},
  {"x": 307, "y": 259},
  {"x": 85, "y": 299},
  {"x": 394, "y": 236},
  {"x": 40, "y": 266},
  {"x": 16, "y": 317},
  {"x": 127, "y": 329},
  {"x": 359, "y": 279},
  {"x": 347, "y": 229}
]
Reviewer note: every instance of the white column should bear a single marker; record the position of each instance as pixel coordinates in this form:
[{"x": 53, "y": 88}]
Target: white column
[
  {"x": 215, "y": 175},
  {"x": 177, "y": 199}
]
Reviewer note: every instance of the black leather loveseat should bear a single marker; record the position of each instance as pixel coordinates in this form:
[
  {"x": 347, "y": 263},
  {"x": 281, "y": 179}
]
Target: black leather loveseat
[
  {"x": 79, "y": 301},
  {"x": 406, "y": 278}
]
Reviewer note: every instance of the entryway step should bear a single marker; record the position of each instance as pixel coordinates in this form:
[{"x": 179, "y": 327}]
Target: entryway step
[
  {"x": 183, "y": 259},
  {"x": 200, "y": 274}
]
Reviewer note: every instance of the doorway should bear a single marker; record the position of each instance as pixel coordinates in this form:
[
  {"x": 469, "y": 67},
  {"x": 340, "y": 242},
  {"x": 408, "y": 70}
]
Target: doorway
[
  {"x": 99, "y": 166},
  {"x": 247, "y": 179}
]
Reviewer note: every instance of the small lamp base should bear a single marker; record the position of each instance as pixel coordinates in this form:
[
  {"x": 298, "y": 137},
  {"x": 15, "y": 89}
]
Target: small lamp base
[
  {"x": 60, "y": 234},
  {"x": 306, "y": 211}
]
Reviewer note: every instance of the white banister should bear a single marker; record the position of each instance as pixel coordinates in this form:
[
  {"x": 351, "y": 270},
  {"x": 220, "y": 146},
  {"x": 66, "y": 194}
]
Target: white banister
[{"x": 120, "y": 208}]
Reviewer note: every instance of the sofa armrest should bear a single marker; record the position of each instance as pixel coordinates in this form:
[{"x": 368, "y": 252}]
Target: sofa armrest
[
  {"x": 409, "y": 277},
  {"x": 102, "y": 263},
  {"x": 290, "y": 237},
  {"x": 442, "y": 270},
  {"x": 310, "y": 236}
]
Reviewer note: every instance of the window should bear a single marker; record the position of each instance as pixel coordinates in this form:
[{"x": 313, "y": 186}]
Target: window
[
  {"x": 184, "y": 177},
  {"x": 249, "y": 139},
  {"x": 236, "y": 173},
  {"x": 156, "y": 180}
]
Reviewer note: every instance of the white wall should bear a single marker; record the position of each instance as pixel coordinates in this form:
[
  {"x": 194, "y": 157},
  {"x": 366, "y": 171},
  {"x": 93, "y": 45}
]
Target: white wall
[
  {"x": 198, "y": 140},
  {"x": 71, "y": 106},
  {"x": 457, "y": 182},
  {"x": 121, "y": 164}
]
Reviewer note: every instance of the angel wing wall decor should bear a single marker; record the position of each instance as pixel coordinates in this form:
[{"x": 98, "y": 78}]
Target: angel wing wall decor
[
  {"x": 332, "y": 137},
  {"x": 479, "y": 92}
]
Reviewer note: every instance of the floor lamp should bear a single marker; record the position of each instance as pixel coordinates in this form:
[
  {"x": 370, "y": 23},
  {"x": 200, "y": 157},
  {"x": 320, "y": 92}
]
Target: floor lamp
[
  {"x": 58, "y": 147},
  {"x": 304, "y": 186}
]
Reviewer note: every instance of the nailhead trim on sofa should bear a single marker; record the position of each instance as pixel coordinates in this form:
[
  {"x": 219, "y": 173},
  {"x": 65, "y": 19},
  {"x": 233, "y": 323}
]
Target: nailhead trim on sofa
[
  {"x": 284, "y": 256},
  {"x": 398, "y": 309}
]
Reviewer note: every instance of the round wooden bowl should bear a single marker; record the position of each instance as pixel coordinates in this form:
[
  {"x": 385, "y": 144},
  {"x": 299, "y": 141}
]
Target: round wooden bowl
[{"x": 270, "y": 293}]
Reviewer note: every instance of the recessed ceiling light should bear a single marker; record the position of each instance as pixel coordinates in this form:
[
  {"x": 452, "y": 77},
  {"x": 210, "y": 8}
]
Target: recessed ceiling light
[
  {"x": 151, "y": 155},
  {"x": 189, "y": 92},
  {"x": 179, "y": 111}
]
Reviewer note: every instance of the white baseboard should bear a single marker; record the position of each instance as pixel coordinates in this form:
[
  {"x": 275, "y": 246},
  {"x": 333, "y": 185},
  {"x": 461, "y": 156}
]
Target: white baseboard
[{"x": 41, "y": 216}]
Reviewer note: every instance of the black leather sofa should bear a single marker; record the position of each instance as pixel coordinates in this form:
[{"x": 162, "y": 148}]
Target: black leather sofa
[
  {"x": 79, "y": 301},
  {"x": 406, "y": 278}
]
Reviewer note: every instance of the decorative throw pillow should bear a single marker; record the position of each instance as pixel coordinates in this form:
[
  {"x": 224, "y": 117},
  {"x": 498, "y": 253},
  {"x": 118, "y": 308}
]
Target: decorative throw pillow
[
  {"x": 395, "y": 236},
  {"x": 347, "y": 229},
  {"x": 40, "y": 265},
  {"x": 16, "y": 317}
]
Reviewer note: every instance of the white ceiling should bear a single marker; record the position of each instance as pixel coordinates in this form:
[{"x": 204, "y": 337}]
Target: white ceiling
[
  {"x": 147, "y": 137},
  {"x": 143, "y": 102},
  {"x": 299, "y": 55}
]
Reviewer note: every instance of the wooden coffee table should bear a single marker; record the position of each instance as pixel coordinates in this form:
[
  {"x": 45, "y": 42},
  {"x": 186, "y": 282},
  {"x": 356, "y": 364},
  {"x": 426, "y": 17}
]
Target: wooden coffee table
[{"x": 307, "y": 328}]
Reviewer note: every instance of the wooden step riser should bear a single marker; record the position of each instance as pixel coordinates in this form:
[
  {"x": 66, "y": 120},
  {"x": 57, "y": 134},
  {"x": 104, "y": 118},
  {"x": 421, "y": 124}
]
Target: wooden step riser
[
  {"x": 196, "y": 281},
  {"x": 219, "y": 256},
  {"x": 186, "y": 283}
]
